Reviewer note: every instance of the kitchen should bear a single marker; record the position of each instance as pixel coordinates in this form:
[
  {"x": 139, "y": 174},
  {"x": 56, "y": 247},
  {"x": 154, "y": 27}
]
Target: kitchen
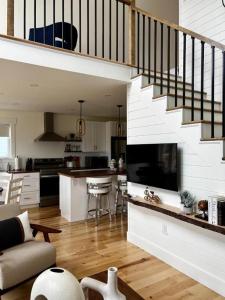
[{"x": 54, "y": 147}]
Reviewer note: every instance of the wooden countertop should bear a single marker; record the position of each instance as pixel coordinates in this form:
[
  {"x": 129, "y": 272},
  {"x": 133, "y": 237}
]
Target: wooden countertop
[
  {"x": 177, "y": 214},
  {"x": 91, "y": 173}
]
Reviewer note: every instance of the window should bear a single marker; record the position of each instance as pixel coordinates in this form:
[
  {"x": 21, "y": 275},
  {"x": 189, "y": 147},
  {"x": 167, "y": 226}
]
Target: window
[{"x": 5, "y": 141}]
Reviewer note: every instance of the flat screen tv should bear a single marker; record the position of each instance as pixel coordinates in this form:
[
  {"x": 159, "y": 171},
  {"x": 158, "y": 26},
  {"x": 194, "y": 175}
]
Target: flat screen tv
[{"x": 154, "y": 165}]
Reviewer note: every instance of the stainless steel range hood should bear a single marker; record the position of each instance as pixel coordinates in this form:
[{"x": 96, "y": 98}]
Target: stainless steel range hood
[{"x": 49, "y": 135}]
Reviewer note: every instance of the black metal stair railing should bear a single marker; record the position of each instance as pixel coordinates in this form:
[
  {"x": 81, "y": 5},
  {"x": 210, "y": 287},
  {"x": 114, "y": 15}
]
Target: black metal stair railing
[
  {"x": 170, "y": 46},
  {"x": 102, "y": 26}
]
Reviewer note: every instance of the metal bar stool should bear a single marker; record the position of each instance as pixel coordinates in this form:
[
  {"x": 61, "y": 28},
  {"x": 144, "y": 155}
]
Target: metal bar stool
[
  {"x": 99, "y": 188},
  {"x": 121, "y": 192}
]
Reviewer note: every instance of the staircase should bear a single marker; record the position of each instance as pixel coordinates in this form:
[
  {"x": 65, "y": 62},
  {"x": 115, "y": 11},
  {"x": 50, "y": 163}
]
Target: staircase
[
  {"x": 187, "y": 108},
  {"x": 153, "y": 118}
]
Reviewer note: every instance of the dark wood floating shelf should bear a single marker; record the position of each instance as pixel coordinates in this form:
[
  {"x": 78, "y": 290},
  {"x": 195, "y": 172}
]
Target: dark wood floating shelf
[{"x": 177, "y": 214}]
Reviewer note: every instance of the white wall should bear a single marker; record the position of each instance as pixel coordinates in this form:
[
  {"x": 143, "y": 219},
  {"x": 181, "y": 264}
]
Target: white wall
[
  {"x": 168, "y": 10},
  {"x": 206, "y": 18},
  {"x": 196, "y": 252},
  {"x": 29, "y": 125}
]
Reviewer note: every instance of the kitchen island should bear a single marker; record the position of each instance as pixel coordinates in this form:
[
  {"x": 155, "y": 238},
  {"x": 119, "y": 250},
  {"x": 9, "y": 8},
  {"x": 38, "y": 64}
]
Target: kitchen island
[{"x": 73, "y": 198}]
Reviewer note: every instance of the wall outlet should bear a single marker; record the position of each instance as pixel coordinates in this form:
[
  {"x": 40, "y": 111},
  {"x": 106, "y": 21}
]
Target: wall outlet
[{"x": 164, "y": 229}]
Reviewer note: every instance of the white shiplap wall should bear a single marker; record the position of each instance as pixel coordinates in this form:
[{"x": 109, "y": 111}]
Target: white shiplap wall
[
  {"x": 196, "y": 252},
  {"x": 207, "y": 18}
]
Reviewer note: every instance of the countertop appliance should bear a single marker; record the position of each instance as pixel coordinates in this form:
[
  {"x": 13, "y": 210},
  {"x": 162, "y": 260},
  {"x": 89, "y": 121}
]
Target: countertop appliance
[
  {"x": 154, "y": 165},
  {"x": 96, "y": 162},
  {"x": 49, "y": 179}
]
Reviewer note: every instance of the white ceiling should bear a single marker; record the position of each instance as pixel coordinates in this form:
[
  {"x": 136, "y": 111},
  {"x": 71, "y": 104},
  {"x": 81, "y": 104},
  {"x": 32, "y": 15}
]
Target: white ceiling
[{"x": 33, "y": 88}]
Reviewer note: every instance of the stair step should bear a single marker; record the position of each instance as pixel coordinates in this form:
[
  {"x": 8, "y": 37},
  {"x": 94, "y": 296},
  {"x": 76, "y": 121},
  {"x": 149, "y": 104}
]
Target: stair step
[
  {"x": 187, "y": 111},
  {"x": 165, "y": 81},
  {"x": 207, "y": 103},
  {"x": 213, "y": 139},
  {"x": 165, "y": 75},
  {"x": 206, "y": 128},
  {"x": 197, "y": 94}
]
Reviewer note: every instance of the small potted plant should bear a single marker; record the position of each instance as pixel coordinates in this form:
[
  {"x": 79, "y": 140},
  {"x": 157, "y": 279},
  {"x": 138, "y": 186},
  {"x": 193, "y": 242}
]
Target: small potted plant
[{"x": 187, "y": 202}]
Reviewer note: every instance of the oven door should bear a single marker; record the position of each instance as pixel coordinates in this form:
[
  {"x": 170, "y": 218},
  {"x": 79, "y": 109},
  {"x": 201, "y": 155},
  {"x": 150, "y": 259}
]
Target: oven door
[{"x": 49, "y": 190}]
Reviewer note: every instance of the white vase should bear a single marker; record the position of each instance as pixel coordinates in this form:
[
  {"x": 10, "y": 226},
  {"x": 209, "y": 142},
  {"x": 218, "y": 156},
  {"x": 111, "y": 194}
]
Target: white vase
[
  {"x": 109, "y": 290},
  {"x": 56, "y": 284}
]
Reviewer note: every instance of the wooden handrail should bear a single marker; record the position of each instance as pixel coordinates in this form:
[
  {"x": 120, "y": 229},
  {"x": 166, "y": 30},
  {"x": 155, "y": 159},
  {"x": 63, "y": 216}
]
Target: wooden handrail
[{"x": 181, "y": 29}]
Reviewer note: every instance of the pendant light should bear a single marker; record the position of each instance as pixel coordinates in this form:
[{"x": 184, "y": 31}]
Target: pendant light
[
  {"x": 119, "y": 125},
  {"x": 80, "y": 125}
]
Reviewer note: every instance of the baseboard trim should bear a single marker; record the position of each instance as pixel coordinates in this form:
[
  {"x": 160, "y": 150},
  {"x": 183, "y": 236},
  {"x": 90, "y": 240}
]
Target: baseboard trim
[{"x": 208, "y": 279}]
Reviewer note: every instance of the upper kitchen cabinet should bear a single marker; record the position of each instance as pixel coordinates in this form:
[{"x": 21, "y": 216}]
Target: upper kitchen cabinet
[{"x": 94, "y": 139}]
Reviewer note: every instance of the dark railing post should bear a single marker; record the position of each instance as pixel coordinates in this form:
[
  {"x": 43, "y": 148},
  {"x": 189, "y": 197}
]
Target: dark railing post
[
  {"x": 44, "y": 32},
  {"x": 53, "y": 33},
  {"x": 24, "y": 19},
  {"x": 88, "y": 26},
  {"x": 63, "y": 5},
  {"x": 161, "y": 64},
  {"x": 96, "y": 28},
  {"x": 103, "y": 28},
  {"x": 184, "y": 67},
  {"x": 80, "y": 29},
  {"x": 110, "y": 29},
  {"x": 213, "y": 93},
  {"x": 71, "y": 24},
  {"x": 155, "y": 49},
  {"x": 168, "y": 60},
  {"x": 202, "y": 78},
  {"x": 223, "y": 94},
  {"x": 138, "y": 42},
  {"x": 35, "y": 19},
  {"x": 124, "y": 30},
  {"x": 149, "y": 49},
  {"x": 176, "y": 64},
  {"x": 117, "y": 30},
  {"x": 143, "y": 52},
  {"x": 193, "y": 80}
]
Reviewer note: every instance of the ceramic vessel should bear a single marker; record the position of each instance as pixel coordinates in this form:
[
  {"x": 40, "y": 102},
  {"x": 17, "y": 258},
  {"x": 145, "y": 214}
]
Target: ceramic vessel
[
  {"x": 109, "y": 291},
  {"x": 57, "y": 284}
]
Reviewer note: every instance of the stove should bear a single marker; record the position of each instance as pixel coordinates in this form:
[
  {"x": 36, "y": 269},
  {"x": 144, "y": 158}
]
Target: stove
[{"x": 49, "y": 179}]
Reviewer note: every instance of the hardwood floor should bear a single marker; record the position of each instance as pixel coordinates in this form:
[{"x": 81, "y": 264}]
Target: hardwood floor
[{"x": 85, "y": 250}]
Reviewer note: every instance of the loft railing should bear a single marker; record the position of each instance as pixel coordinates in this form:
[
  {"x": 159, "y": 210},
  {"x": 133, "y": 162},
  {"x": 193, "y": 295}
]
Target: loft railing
[
  {"x": 102, "y": 25},
  {"x": 118, "y": 31}
]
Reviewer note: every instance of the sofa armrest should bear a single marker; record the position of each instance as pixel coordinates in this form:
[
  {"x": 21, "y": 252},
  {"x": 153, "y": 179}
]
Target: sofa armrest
[{"x": 45, "y": 230}]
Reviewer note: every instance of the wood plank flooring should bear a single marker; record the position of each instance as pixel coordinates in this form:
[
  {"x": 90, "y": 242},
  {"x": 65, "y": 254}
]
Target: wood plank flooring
[{"x": 84, "y": 250}]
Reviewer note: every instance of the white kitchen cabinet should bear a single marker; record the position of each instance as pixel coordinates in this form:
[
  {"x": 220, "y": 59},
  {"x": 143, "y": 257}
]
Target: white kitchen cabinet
[
  {"x": 31, "y": 188},
  {"x": 94, "y": 139}
]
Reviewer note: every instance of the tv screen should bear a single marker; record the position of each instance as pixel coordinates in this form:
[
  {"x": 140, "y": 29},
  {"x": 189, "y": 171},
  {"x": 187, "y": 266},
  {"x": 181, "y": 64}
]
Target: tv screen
[{"x": 153, "y": 164}]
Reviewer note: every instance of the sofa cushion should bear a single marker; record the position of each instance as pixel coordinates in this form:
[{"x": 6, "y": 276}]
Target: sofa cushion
[
  {"x": 11, "y": 233},
  {"x": 15, "y": 231},
  {"x": 24, "y": 261}
]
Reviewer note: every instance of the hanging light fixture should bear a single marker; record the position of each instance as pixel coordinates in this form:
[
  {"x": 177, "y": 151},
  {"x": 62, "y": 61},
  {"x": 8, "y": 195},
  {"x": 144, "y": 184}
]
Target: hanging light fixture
[
  {"x": 80, "y": 125},
  {"x": 119, "y": 125}
]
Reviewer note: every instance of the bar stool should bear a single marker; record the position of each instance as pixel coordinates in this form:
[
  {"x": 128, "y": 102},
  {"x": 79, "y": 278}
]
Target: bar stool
[
  {"x": 121, "y": 192},
  {"x": 99, "y": 188}
]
